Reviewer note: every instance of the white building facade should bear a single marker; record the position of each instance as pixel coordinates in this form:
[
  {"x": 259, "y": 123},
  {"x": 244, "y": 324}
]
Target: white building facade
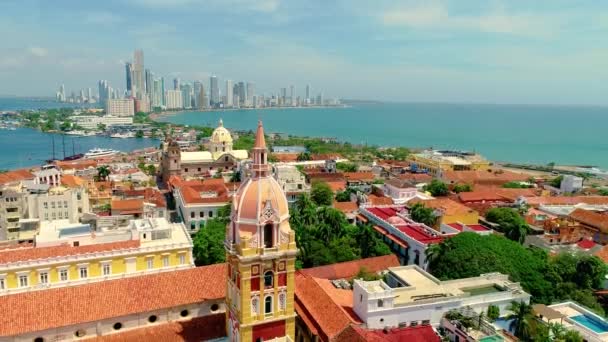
[{"x": 120, "y": 107}]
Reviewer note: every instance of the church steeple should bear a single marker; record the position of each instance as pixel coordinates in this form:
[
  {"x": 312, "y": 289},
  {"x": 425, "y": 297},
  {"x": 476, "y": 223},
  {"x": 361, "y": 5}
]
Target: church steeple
[
  {"x": 260, "y": 165},
  {"x": 260, "y": 253}
]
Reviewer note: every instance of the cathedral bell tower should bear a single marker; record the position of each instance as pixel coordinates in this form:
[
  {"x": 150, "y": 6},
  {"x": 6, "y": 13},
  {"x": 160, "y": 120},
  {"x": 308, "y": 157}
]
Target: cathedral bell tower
[{"x": 261, "y": 254}]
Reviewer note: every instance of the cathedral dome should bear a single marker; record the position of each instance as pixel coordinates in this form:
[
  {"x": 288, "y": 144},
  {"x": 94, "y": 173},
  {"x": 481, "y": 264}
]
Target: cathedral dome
[
  {"x": 221, "y": 135},
  {"x": 260, "y": 200}
]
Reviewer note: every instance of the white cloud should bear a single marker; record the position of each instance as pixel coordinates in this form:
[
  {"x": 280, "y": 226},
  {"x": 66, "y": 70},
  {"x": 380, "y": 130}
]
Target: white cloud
[
  {"x": 264, "y": 6},
  {"x": 38, "y": 51},
  {"x": 103, "y": 18},
  {"x": 436, "y": 16}
]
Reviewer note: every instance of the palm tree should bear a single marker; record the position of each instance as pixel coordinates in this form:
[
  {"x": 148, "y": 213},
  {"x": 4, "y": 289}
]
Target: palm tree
[
  {"x": 517, "y": 232},
  {"x": 557, "y": 331},
  {"x": 422, "y": 214},
  {"x": 519, "y": 317},
  {"x": 103, "y": 172},
  {"x": 332, "y": 223}
]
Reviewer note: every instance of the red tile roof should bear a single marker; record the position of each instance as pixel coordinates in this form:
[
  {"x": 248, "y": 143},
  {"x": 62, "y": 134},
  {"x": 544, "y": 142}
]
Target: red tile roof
[
  {"x": 422, "y": 333},
  {"x": 448, "y": 206},
  {"x": 80, "y": 164},
  {"x": 603, "y": 254},
  {"x": 586, "y": 244},
  {"x": 37, "y": 253},
  {"x": 286, "y": 157},
  {"x": 192, "y": 194},
  {"x": 197, "y": 329},
  {"x": 132, "y": 205},
  {"x": 419, "y": 234},
  {"x": 30, "y": 311},
  {"x": 349, "y": 269},
  {"x": 346, "y": 207},
  {"x": 337, "y": 185},
  {"x": 416, "y": 177},
  {"x": 481, "y": 196},
  {"x": 591, "y": 218},
  {"x": 316, "y": 307},
  {"x": 359, "y": 176},
  {"x": 72, "y": 181},
  {"x": 379, "y": 200},
  {"x": 15, "y": 176},
  {"x": 484, "y": 177}
]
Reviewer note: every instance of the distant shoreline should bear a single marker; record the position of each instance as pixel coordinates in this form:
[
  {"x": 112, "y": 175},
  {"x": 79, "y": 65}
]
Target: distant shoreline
[{"x": 155, "y": 116}]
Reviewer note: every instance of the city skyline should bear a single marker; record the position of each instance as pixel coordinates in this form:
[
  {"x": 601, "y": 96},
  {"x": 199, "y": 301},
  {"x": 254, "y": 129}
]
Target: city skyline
[{"x": 499, "y": 52}]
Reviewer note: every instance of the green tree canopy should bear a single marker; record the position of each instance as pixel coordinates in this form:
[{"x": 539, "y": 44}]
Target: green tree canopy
[
  {"x": 208, "y": 245},
  {"x": 422, "y": 214},
  {"x": 437, "y": 188},
  {"x": 321, "y": 193},
  {"x": 463, "y": 187},
  {"x": 510, "y": 223},
  {"x": 346, "y": 167}
]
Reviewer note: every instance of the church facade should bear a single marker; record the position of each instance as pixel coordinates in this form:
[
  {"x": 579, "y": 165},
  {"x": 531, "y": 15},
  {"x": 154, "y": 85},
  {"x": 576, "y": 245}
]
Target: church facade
[
  {"x": 260, "y": 255},
  {"x": 219, "y": 157}
]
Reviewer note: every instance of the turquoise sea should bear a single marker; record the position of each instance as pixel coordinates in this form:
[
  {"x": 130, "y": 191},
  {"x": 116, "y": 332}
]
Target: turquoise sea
[
  {"x": 25, "y": 147},
  {"x": 574, "y": 135}
]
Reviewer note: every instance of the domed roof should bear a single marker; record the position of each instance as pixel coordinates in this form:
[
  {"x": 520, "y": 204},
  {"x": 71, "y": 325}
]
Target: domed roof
[
  {"x": 394, "y": 220},
  {"x": 260, "y": 200},
  {"x": 221, "y": 134}
]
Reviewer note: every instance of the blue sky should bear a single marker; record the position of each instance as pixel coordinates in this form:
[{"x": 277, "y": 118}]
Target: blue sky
[{"x": 516, "y": 51}]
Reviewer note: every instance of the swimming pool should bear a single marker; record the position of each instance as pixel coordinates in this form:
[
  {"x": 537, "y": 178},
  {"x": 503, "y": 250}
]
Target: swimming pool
[{"x": 591, "y": 323}]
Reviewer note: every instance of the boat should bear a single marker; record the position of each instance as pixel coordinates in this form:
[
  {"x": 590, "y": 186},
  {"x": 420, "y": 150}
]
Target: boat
[
  {"x": 123, "y": 135},
  {"x": 100, "y": 153}
]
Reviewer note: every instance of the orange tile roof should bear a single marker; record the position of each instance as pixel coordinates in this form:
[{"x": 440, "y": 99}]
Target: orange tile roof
[
  {"x": 31, "y": 311},
  {"x": 421, "y": 333},
  {"x": 197, "y": 329},
  {"x": 497, "y": 177},
  {"x": 603, "y": 254},
  {"x": 591, "y": 218},
  {"x": 192, "y": 194},
  {"x": 325, "y": 156},
  {"x": 76, "y": 164},
  {"x": 327, "y": 317},
  {"x": 286, "y": 157},
  {"x": 359, "y": 176},
  {"x": 379, "y": 200},
  {"x": 15, "y": 176},
  {"x": 72, "y": 181},
  {"x": 416, "y": 177},
  {"x": 448, "y": 206},
  {"x": 346, "y": 207},
  {"x": 557, "y": 200},
  {"x": 337, "y": 185},
  {"x": 37, "y": 253},
  {"x": 350, "y": 269},
  {"x": 128, "y": 205},
  {"x": 481, "y": 195}
]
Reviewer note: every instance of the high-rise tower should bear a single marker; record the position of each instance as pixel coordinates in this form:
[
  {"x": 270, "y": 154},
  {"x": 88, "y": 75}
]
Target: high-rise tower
[
  {"x": 214, "y": 91},
  {"x": 138, "y": 74},
  {"x": 261, "y": 254}
]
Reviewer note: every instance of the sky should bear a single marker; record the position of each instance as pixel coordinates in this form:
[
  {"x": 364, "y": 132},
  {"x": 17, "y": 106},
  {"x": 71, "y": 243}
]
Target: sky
[{"x": 516, "y": 51}]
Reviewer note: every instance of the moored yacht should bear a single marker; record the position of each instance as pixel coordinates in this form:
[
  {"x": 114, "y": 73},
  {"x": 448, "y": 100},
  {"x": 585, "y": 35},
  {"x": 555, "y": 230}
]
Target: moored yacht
[{"x": 100, "y": 152}]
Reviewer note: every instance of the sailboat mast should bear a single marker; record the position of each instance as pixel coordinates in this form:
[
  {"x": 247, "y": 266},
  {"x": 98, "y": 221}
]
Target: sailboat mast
[{"x": 53, "y": 139}]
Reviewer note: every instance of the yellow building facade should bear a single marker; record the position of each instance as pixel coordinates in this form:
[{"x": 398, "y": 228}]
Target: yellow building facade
[
  {"x": 260, "y": 253},
  {"x": 433, "y": 162},
  {"x": 31, "y": 268}
]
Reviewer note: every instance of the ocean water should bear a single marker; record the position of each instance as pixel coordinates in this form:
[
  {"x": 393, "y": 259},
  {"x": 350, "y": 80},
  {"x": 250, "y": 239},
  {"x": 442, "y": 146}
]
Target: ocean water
[
  {"x": 23, "y": 103},
  {"x": 573, "y": 135},
  {"x": 25, "y": 147}
]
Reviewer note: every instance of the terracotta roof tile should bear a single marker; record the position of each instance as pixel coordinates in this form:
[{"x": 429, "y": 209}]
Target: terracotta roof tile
[
  {"x": 337, "y": 185},
  {"x": 422, "y": 333},
  {"x": 591, "y": 218},
  {"x": 350, "y": 269},
  {"x": 603, "y": 254},
  {"x": 15, "y": 176},
  {"x": 416, "y": 177},
  {"x": 448, "y": 206},
  {"x": 481, "y": 196},
  {"x": 72, "y": 181},
  {"x": 346, "y": 207},
  {"x": 329, "y": 318},
  {"x": 359, "y": 176},
  {"x": 37, "y": 253},
  {"x": 197, "y": 329},
  {"x": 30, "y": 311},
  {"x": 128, "y": 205},
  {"x": 495, "y": 177},
  {"x": 286, "y": 157},
  {"x": 375, "y": 200},
  {"x": 76, "y": 164}
]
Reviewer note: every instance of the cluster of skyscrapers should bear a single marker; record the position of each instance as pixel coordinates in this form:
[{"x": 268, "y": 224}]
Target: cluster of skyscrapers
[{"x": 148, "y": 92}]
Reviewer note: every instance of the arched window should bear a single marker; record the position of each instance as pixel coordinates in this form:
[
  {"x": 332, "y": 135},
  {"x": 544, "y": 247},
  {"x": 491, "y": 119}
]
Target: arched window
[
  {"x": 268, "y": 305},
  {"x": 268, "y": 279},
  {"x": 268, "y": 238}
]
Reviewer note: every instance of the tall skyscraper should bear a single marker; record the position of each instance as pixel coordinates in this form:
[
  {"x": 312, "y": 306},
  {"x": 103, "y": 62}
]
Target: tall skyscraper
[
  {"x": 195, "y": 96},
  {"x": 177, "y": 84},
  {"x": 242, "y": 94},
  {"x": 229, "y": 94},
  {"x": 201, "y": 97},
  {"x": 129, "y": 77},
  {"x": 214, "y": 91},
  {"x": 138, "y": 73},
  {"x": 162, "y": 94},
  {"x": 250, "y": 93},
  {"x": 292, "y": 94},
  {"x": 104, "y": 92},
  {"x": 157, "y": 93},
  {"x": 186, "y": 95},
  {"x": 89, "y": 94},
  {"x": 149, "y": 79},
  {"x": 308, "y": 93}
]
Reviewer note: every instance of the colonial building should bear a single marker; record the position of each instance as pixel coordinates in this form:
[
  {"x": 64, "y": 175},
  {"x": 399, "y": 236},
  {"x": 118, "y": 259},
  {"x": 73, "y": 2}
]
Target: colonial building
[
  {"x": 260, "y": 253},
  {"x": 219, "y": 157},
  {"x": 198, "y": 201},
  {"x": 292, "y": 181},
  {"x": 67, "y": 254}
]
